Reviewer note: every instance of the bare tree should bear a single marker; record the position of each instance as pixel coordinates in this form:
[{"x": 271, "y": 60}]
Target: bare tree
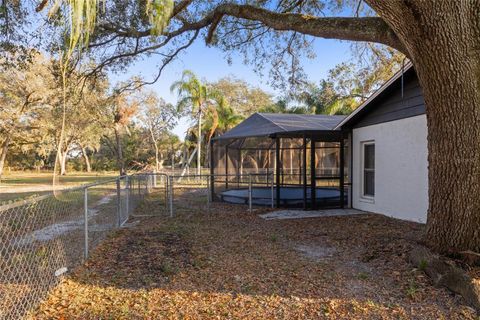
[
  {"x": 24, "y": 92},
  {"x": 158, "y": 117}
]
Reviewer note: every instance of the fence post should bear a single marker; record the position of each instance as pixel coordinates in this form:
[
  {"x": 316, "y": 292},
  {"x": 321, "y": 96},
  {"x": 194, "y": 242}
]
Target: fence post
[
  {"x": 119, "y": 213},
  {"x": 144, "y": 186},
  {"x": 167, "y": 186},
  {"x": 139, "y": 187},
  {"x": 272, "y": 193},
  {"x": 208, "y": 192},
  {"x": 149, "y": 183},
  {"x": 127, "y": 195},
  {"x": 171, "y": 196},
  {"x": 85, "y": 217},
  {"x": 250, "y": 193}
]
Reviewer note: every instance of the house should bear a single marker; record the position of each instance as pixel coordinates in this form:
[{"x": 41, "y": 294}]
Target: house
[
  {"x": 388, "y": 141},
  {"x": 374, "y": 160}
]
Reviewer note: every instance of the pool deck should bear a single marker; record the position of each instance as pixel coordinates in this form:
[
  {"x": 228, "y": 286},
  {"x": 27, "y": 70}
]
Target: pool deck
[{"x": 302, "y": 214}]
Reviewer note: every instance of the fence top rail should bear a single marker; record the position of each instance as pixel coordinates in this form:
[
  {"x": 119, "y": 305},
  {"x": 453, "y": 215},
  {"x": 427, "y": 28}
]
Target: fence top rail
[
  {"x": 93, "y": 184},
  {"x": 148, "y": 174}
]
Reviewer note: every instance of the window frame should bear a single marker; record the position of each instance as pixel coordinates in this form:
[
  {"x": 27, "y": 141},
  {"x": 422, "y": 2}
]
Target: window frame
[{"x": 363, "y": 170}]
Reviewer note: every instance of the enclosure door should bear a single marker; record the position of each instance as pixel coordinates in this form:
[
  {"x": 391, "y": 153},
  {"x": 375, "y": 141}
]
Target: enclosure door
[{"x": 327, "y": 175}]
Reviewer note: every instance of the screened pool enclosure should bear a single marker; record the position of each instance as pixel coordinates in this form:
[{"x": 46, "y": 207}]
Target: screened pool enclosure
[{"x": 294, "y": 160}]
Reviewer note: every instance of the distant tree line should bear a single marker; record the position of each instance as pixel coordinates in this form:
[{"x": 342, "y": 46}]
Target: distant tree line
[
  {"x": 216, "y": 107},
  {"x": 108, "y": 128}
]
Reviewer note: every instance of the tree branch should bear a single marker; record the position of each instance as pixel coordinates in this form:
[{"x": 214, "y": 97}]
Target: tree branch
[
  {"x": 180, "y": 6},
  {"x": 370, "y": 29}
]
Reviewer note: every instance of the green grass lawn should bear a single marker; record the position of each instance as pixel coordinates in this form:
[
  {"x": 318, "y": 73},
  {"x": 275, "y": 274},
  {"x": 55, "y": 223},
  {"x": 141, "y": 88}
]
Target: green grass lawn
[
  {"x": 45, "y": 178},
  {"x": 20, "y": 185}
]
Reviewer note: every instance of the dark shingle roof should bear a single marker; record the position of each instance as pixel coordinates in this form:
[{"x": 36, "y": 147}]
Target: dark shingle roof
[{"x": 267, "y": 124}]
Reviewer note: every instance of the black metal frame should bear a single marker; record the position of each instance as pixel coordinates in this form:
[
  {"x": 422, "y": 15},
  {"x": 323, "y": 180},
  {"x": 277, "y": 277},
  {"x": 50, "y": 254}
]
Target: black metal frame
[
  {"x": 313, "y": 175},
  {"x": 308, "y": 137}
]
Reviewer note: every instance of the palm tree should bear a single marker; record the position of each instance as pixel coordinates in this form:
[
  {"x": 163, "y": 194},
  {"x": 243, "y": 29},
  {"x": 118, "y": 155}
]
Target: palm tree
[
  {"x": 227, "y": 117},
  {"x": 219, "y": 118},
  {"x": 193, "y": 95},
  {"x": 326, "y": 99},
  {"x": 342, "y": 106},
  {"x": 281, "y": 106}
]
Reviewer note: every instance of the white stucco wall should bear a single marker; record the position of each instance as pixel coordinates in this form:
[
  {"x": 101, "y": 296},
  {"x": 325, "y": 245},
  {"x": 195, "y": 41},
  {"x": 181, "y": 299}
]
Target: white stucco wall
[{"x": 401, "y": 177}]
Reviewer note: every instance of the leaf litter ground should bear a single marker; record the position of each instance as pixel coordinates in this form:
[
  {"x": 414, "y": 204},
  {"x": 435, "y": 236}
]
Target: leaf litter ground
[{"x": 225, "y": 263}]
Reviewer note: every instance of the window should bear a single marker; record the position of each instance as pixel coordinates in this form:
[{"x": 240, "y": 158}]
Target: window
[{"x": 369, "y": 169}]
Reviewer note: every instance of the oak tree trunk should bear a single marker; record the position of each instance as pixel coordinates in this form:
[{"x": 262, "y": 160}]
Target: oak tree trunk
[
  {"x": 87, "y": 160},
  {"x": 443, "y": 41},
  {"x": 155, "y": 146},
  {"x": 120, "y": 160},
  {"x": 160, "y": 160},
  {"x": 63, "y": 163},
  {"x": 452, "y": 102},
  {"x": 157, "y": 159}
]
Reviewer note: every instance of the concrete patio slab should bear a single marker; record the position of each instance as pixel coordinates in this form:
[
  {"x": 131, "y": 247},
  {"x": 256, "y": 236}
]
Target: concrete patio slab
[{"x": 302, "y": 214}]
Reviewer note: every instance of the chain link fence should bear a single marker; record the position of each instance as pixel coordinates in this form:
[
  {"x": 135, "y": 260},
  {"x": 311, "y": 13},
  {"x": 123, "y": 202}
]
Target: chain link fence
[
  {"x": 189, "y": 192},
  {"x": 199, "y": 192},
  {"x": 44, "y": 237}
]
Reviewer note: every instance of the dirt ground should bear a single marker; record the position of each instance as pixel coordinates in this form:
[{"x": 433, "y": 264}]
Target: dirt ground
[{"x": 228, "y": 264}]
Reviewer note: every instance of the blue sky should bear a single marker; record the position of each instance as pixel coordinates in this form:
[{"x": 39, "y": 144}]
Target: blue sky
[{"x": 209, "y": 64}]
